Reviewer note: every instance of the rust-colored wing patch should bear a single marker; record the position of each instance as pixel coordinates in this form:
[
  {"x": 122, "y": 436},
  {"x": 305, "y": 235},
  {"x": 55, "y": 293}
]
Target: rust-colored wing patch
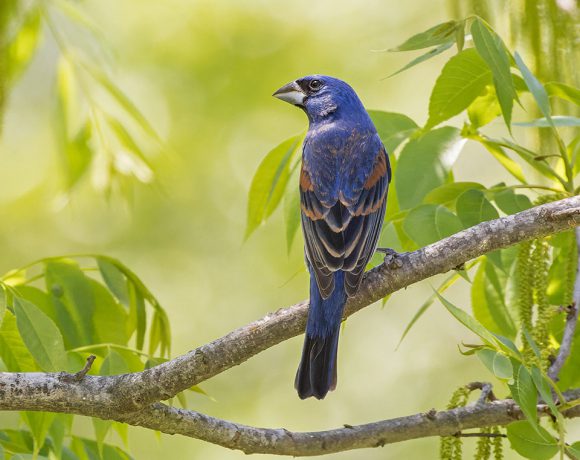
[{"x": 378, "y": 172}]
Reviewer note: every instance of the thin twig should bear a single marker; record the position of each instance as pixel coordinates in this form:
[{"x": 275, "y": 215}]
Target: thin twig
[
  {"x": 571, "y": 321},
  {"x": 80, "y": 375}
]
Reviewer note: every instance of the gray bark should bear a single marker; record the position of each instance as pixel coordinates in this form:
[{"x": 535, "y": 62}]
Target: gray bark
[{"x": 133, "y": 398}]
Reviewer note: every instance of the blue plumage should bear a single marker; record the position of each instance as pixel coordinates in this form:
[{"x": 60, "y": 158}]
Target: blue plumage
[{"x": 343, "y": 190}]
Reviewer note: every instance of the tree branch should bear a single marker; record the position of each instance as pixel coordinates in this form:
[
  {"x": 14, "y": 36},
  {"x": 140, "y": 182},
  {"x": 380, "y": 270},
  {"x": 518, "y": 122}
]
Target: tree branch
[
  {"x": 571, "y": 321},
  {"x": 129, "y": 398}
]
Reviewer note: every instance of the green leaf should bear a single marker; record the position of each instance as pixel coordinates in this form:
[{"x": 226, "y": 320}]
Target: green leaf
[
  {"x": 3, "y": 302},
  {"x": 109, "y": 317},
  {"x": 269, "y": 183},
  {"x": 13, "y": 351},
  {"x": 114, "y": 364},
  {"x": 41, "y": 336},
  {"x": 492, "y": 49},
  {"x": 510, "y": 165},
  {"x": 502, "y": 367},
  {"x": 568, "y": 93},
  {"x": 137, "y": 316},
  {"x": 510, "y": 202},
  {"x": 115, "y": 280},
  {"x": 431, "y": 156},
  {"x": 543, "y": 387},
  {"x": 69, "y": 286},
  {"x": 39, "y": 424},
  {"x": 473, "y": 207},
  {"x": 447, "y": 194},
  {"x": 393, "y": 128},
  {"x": 61, "y": 425},
  {"x": 555, "y": 121},
  {"x": 484, "y": 108},
  {"x": 488, "y": 303},
  {"x": 436, "y": 35},
  {"x": 424, "y": 57},
  {"x": 442, "y": 288},
  {"x": 429, "y": 223},
  {"x": 497, "y": 363},
  {"x": 532, "y": 443},
  {"x": 535, "y": 87},
  {"x": 291, "y": 215},
  {"x": 469, "y": 322},
  {"x": 101, "y": 429},
  {"x": 463, "y": 78},
  {"x": 574, "y": 450},
  {"x": 524, "y": 393}
]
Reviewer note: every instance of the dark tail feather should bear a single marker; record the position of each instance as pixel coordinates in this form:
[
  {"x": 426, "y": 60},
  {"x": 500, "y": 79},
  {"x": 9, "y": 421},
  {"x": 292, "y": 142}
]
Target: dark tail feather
[{"x": 316, "y": 374}]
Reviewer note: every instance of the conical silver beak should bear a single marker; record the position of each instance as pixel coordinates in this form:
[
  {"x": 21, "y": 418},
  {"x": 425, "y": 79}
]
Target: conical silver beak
[{"x": 291, "y": 93}]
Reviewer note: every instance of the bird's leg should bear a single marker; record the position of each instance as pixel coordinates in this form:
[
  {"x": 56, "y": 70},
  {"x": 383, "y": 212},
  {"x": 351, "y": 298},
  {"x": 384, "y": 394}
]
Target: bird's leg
[{"x": 392, "y": 257}]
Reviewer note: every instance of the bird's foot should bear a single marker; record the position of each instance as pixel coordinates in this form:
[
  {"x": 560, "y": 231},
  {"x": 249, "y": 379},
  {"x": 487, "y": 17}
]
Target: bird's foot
[{"x": 392, "y": 257}]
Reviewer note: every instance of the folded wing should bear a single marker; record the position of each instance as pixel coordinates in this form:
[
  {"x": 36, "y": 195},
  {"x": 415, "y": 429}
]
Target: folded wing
[{"x": 343, "y": 235}]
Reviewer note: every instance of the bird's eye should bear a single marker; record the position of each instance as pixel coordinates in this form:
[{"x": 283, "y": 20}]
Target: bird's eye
[{"x": 315, "y": 85}]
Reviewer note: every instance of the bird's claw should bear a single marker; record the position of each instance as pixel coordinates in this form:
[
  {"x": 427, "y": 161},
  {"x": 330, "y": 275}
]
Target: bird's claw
[{"x": 392, "y": 257}]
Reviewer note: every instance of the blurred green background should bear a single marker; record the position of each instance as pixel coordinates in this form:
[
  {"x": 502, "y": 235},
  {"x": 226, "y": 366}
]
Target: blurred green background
[{"x": 203, "y": 72}]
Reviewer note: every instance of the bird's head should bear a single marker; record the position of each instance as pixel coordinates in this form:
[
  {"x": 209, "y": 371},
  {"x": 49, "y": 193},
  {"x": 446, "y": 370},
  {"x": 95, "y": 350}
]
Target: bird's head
[{"x": 321, "y": 97}]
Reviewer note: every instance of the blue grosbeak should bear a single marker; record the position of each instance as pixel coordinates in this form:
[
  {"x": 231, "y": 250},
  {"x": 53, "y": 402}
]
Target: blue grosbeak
[{"x": 343, "y": 190}]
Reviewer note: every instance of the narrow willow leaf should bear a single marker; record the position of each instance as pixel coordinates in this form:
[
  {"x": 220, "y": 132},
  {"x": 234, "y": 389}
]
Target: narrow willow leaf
[
  {"x": 393, "y": 128},
  {"x": 568, "y": 93},
  {"x": 543, "y": 388},
  {"x": 510, "y": 165},
  {"x": 469, "y": 322},
  {"x": 433, "y": 154},
  {"x": 269, "y": 183},
  {"x": 436, "y": 35},
  {"x": 429, "y": 223},
  {"x": 447, "y": 194},
  {"x": 532, "y": 443},
  {"x": 291, "y": 215},
  {"x": 21, "y": 49},
  {"x": 13, "y": 351},
  {"x": 492, "y": 49},
  {"x": 41, "y": 336},
  {"x": 535, "y": 87},
  {"x": 463, "y": 78},
  {"x": 441, "y": 289},
  {"x": 532, "y": 343},
  {"x": 131, "y": 159},
  {"x": 524, "y": 393},
  {"x": 473, "y": 207},
  {"x": 460, "y": 36},
  {"x": 424, "y": 57},
  {"x": 121, "y": 99},
  {"x": 555, "y": 121},
  {"x": 115, "y": 280}
]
